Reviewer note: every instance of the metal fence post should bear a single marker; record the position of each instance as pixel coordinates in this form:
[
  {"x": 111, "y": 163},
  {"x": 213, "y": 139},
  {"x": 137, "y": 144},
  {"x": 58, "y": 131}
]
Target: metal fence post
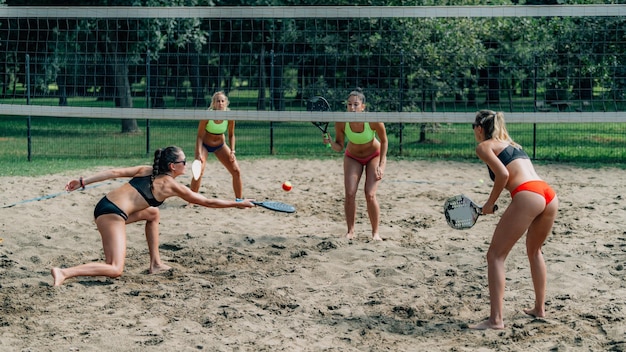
[
  {"x": 401, "y": 126},
  {"x": 272, "y": 101},
  {"x": 147, "y": 90},
  {"x": 28, "y": 127}
]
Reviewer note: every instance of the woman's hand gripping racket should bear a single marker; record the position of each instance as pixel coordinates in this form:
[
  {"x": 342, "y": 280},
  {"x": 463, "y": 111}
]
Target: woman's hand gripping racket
[
  {"x": 461, "y": 212},
  {"x": 276, "y": 206},
  {"x": 320, "y": 104}
]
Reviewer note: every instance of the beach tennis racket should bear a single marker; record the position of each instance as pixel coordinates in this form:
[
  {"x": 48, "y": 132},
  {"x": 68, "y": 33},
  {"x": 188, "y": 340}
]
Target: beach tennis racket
[
  {"x": 461, "y": 212},
  {"x": 276, "y": 206},
  {"x": 196, "y": 169},
  {"x": 320, "y": 104},
  {"x": 323, "y": 126}
]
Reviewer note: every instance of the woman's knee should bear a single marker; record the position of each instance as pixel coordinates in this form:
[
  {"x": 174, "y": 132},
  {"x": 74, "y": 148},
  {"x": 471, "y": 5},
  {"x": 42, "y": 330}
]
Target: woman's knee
[
  {"x": 496, "y": 254},
  {"x": 153, "y": 214},
  {"x": 117, "y": 271},
  {"x": 533, "y": 252},
  {"x": 370, "y": 197}
]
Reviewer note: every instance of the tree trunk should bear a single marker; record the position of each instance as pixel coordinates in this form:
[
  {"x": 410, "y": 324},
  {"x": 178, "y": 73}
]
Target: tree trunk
[
  {"x": 197, "y": 88},
  {"x": 493, "y": 85},
  {"x": 260, "y": 104},
  {"x": 277, "y": 93},
  {"x": 123, "y": 98}
]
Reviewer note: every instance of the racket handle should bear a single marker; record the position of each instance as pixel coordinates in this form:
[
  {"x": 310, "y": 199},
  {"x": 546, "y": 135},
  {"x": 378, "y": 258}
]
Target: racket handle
[
  {"x": 326, "y": 136},
  {"x": 495, "y": 208}
]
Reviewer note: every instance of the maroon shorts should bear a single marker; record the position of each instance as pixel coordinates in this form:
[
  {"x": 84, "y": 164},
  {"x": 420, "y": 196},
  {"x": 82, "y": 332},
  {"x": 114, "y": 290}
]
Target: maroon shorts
[{"x": 362, "y": 161}]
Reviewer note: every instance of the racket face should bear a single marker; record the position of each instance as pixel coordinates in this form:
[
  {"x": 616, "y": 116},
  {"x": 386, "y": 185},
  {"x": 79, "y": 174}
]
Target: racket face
[
  {"x": 196, "y": 168},
  {"x": 318, "y": 104},
  {"x": 277, "y": 206},
  {"x": 323, "y": 126},
  {"x": 461, "y": 212}
]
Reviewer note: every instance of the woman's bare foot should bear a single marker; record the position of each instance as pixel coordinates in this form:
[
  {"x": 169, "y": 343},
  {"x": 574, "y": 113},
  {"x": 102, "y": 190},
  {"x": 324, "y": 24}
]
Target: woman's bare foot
[
  {"x": 487, "y": 324},
  {"x": 158, "y": 268},
  {"x": 58, "y": 276},
  {"x": 535, "y": 313},
  {"x": 376, "y": 237},
  {"x": 350, "y": 235}
]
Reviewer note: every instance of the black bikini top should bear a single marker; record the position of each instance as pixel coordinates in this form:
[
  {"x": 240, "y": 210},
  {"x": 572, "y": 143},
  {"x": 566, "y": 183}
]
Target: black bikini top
[
  {"x": 507, "y": 155},
  {"x": 142, "y": 185}
]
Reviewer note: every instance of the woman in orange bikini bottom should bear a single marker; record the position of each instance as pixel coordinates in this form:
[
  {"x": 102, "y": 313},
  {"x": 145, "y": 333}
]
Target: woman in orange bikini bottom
[
  {"x": 362, "y": 161},
  {"x": 537, "y": 186}
]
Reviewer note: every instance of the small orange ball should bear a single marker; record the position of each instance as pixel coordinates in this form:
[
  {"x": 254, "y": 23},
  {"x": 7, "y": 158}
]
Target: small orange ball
[{"x": 287, "y": 186}]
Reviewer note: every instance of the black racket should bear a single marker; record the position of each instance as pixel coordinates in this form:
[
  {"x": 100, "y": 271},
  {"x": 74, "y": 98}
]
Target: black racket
[
  {"x": 276, "y": 206},
  {"x": 320, "y": 104},
  {"x": 461, "y": 212}
]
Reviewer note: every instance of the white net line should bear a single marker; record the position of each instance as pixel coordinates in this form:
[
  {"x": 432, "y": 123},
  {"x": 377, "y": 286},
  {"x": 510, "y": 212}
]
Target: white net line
[
  {"x": 299, "y": 116},
  {"x": 610, "y": 10},
  {"x": 327, "y": 12}
]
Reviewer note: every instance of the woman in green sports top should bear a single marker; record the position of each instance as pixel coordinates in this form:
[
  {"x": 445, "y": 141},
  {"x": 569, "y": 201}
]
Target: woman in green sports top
[
  {"x": 211, "y": 139},
  {"x": 363, "y": 152}
]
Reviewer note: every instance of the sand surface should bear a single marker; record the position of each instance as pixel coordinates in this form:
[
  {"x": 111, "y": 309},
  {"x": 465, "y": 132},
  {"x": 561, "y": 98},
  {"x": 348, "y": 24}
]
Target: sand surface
[{"x": 257, "y": 280}]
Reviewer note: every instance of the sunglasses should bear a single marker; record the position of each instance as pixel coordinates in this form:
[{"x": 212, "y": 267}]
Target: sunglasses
[{"x": 184, "y": 162}]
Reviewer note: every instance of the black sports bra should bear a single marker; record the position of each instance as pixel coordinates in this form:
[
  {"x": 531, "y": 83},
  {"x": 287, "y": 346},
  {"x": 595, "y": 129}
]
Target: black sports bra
[
  {"x": 507, "y": 155},
  {"x": 142, "y": 185}
]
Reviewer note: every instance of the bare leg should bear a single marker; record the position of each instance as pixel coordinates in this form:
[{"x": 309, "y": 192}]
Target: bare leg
[
  {"x": 371, "y": 186},
  {"x": 152, "y": 216},
  {"x": 514, "y": 222},
  {"x": 113, "y": 232},
  {"x": 352, "y": 171},
  {"x": 537, "y": 234},
  {"x": 224, "y": 156}
]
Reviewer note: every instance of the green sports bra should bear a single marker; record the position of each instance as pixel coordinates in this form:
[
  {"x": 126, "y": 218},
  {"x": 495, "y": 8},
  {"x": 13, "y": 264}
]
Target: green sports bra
[
  {"x": 360, "y": 137},
  {"x": 217, "y": 128}
]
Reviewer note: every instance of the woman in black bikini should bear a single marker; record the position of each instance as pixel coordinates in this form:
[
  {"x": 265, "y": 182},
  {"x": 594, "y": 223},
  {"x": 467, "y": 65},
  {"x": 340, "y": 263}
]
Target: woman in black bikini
[
  {"x": 532, "y": 210},
  {"x": 134, "y": 201}
]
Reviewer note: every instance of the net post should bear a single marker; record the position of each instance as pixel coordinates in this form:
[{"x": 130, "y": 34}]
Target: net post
[
  {"x": 401, "y": 102},
  {"x": 147, "y": 92},
  {"x": 28, "y": 123},
  {"x": 272, "y": 101}
]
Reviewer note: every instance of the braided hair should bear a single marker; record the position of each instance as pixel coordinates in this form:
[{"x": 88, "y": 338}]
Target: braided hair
[{"x": 162, "y": 160}]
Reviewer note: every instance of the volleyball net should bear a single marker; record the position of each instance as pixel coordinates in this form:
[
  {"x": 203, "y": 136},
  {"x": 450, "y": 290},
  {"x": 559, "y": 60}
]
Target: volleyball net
[{"x": 415, "y": 65}]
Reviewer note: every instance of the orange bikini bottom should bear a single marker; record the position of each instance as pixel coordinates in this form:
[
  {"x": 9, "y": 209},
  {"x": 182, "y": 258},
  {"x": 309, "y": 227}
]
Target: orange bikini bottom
[{"x": 539, "y": 187}]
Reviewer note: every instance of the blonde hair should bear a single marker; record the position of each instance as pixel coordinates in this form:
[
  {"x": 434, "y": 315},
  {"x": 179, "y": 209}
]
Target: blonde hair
[
  {"x": 214, "y": 97},
  {"x": 495, "y": 127}
]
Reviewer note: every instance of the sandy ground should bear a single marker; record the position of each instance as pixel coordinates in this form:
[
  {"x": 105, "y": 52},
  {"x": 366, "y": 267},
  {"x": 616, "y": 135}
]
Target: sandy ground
[{"x": 257, "y": 280}]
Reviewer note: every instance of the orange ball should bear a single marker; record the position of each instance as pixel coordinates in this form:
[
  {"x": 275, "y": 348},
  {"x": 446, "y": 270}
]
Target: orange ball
[{"x": 287, "y": 186}]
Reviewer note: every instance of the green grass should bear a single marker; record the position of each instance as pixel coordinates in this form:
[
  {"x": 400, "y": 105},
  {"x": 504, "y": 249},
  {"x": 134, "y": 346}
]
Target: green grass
[{"x": 64, "y": 144}]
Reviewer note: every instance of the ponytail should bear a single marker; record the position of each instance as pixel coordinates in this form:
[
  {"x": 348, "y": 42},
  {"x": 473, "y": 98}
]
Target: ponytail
[
  {"x": 494, "y": 125},
  {"x": 155, "y": 165},
  {"x": 162, "y": 160}
]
